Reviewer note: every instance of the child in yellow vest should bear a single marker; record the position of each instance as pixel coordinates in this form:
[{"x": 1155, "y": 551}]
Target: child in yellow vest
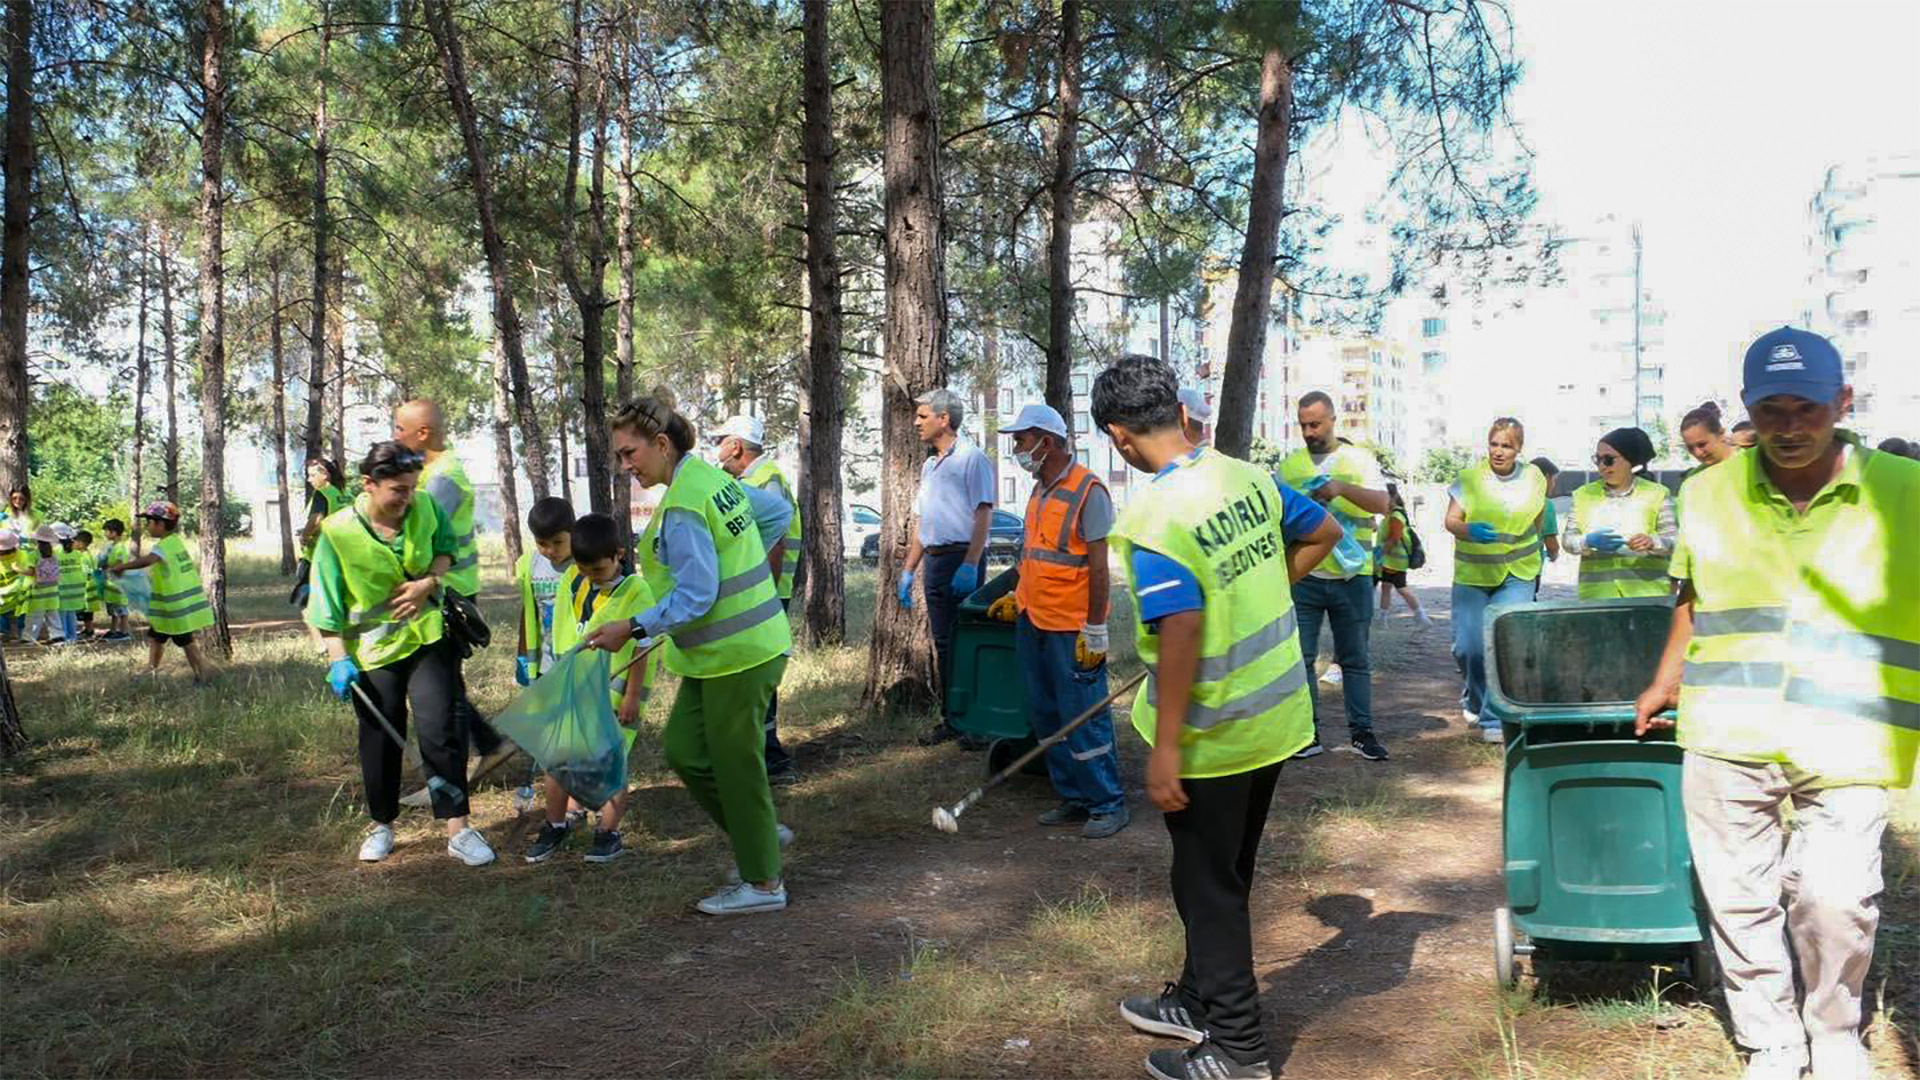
[
  {"x": 112, "y": 595},
  {"x": 73, "y": 582},
  {"x": 179, "y": 606},
  {"x": 16, "y": 582},
  {"x": 594, "y": 590}
]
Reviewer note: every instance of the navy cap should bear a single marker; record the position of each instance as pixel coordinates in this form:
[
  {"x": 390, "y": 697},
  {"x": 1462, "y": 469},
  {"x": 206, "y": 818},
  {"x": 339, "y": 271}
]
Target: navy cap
[{"x": 1789, "y": 361}]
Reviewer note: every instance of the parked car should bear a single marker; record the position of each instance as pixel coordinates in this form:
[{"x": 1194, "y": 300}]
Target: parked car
[
  {"x": 1005, "y": 533},
  {"x": 862, "y": 524}
]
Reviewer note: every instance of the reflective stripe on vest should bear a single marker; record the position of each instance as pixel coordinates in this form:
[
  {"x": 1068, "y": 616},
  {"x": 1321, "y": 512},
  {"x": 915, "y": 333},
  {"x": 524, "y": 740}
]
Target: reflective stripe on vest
[
  {"x": 1622, "y": 573},
  {"x": 767, "y": 476},
  {"x": 371, "y": 572},
  {"x": 1054, "y": 572},
  {"x": 747, "y": 625},
  {"x": 179, "y": 605},
  {"x": 445, "y": 481},
  {"x": 1806, "y": 638},
  {"x": 1514, "y": 508},
  {"x": 1220, "y": 518}
]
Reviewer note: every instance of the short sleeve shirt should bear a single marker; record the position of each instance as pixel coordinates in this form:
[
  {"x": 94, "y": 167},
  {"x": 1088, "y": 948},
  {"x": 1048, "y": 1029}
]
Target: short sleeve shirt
[
  {"x": 1163, "y": 587},
  {"x": 953, "y": 486}
]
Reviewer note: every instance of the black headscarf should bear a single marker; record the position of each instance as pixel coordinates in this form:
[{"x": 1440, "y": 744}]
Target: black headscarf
[{"x": 1633, "y": 444}]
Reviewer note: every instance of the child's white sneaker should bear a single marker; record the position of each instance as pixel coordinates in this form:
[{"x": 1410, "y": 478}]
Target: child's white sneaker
[
  {"x": 744, "y": 899},
  {"x": 470, "y": 847},
  {"x": 378, "y": 844}
]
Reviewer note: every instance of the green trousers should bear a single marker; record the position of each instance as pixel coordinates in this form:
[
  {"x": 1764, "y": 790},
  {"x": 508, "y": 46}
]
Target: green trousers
[{"x": 715, "y": 743}]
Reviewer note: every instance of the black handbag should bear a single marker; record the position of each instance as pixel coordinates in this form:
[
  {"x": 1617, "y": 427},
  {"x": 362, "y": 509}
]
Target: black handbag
[{"x": 465, "y": 626}]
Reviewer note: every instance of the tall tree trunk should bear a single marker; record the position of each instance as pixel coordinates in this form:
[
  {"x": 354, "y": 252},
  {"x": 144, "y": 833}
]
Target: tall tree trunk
[
  {"x": 322, "y": 232},
  {"x": 503, "y": 453},
  {"x": 823, "y": 419},
  {"x": 15, "y": 295},
  {"x": 1059, "y": 383},
  {"x": 142, "y": 377},
  {"x": 1253, "y": 298},
  {"x": 588, "y": 289},
  {"x": 562, "y": 407},
  {"x": 275, "y": 350},
  {"x": 213, "y": 346},
  {"x": 169, "y": 354},
  {"x": 13, "y": 738},
  {"x": 900, "y": 670},
  {"x": 337, "y": 345},
  {"x": 623, "y": 326},
  {"x": 506, "y": 319}
]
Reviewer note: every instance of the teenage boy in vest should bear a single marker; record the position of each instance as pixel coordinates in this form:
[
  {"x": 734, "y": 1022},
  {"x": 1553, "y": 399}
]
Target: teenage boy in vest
[
  {"x": 1794, "y": 661},
  {"x": 1211, "y": 549},
  {"x": 1059, "y": 610},
  {"x": 179, "y": 606},
  {"x": 742, "y": 453}
]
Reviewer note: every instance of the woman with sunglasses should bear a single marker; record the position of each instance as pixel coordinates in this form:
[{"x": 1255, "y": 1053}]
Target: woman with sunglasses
[
  {"x": 377, "y": 570},
  {"x": 1495, "y": 514},
  {"x": 1622, "y": 525}
]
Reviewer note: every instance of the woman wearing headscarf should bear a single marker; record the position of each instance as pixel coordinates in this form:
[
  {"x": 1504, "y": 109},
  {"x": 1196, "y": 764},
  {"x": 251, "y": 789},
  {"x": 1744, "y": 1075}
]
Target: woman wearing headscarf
[{"x": 1622, "y": 525}]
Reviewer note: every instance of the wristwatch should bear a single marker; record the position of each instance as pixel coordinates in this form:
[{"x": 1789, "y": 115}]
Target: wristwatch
[{"x": 633, "y": 625}]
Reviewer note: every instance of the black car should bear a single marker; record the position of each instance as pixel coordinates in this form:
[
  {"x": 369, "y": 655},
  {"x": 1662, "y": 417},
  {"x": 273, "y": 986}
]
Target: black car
[{"x": 1005, "y": 533}]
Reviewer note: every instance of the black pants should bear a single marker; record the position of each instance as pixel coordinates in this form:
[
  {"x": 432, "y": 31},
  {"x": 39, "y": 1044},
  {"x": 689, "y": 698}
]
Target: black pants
[
  {"x": 476, "y": 731},
  {"x": 428, "y": 680},
  {"x": 1214, "y": 842},
  {"x": 777, "y": 756},
  {"x": 943, "y": 608}
]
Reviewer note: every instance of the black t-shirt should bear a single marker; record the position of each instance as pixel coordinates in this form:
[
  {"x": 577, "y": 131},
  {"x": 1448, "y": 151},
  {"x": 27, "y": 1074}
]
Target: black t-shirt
[{"x": 316, "y": 504}]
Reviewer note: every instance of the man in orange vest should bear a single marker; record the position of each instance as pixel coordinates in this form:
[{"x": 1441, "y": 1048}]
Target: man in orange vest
[{"x": 1060, "y": 613}]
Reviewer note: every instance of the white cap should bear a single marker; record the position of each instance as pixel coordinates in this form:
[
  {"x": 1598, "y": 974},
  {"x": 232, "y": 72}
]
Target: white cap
[
  {"x": 745, "y": 428},
  {"x": 1038, "y": 418},
  {"x": 63, "y": 530},
  {"x": 1197, "y": 408},
  {"x": 9, "y": 540}
]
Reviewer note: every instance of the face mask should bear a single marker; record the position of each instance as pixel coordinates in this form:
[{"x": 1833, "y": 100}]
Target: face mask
[{"x": 1029, "y": 462}]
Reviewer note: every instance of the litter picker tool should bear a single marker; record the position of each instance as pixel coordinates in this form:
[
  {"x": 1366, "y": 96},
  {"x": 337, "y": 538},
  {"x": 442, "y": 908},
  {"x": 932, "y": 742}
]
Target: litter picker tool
[
  {"x": 435, "y": 782},
  {"x": 947, "y": 818}
]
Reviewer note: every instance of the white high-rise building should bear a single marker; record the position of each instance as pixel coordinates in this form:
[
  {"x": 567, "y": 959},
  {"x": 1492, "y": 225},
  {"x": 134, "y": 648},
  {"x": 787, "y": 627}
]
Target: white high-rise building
[{"x": 1864, "y": 286}]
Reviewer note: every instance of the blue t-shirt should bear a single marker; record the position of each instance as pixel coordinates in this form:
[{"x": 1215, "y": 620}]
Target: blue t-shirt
[{"x": 1163, "y": 587}]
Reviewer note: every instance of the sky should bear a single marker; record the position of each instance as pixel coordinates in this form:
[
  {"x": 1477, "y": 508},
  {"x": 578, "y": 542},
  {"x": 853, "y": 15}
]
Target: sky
[{"x": 1713, "y": 124}]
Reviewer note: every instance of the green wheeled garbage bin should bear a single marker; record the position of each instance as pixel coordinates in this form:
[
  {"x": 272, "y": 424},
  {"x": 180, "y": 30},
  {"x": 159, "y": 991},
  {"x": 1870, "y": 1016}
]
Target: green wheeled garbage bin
[
  {"x": 986, "y": 694},
  {"x": 1597, "y": 863}
]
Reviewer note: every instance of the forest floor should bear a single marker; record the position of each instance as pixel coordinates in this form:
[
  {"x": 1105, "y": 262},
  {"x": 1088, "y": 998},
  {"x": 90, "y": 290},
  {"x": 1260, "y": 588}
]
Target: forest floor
[{"x": 178, "y": 896}]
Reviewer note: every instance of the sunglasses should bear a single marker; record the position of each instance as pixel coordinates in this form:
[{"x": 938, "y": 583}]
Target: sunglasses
[{"x": 1605, "y": 461}]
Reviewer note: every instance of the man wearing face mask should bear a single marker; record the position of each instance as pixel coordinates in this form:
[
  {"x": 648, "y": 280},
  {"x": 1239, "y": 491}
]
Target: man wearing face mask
[{"x": 1060, "y": 614}]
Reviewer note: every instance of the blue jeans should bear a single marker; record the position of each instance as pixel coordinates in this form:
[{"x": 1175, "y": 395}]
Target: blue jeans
[
  {"x": 1348, "y": 605},
  {"x": 1085, "y": 767},
  {"x": 1470, "y": 604}
]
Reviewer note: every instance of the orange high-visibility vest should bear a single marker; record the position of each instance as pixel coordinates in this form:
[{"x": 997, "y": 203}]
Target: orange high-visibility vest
[{"x": 1053, "y": 564}]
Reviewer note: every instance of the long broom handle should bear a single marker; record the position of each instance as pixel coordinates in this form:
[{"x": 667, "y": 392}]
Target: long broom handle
[{"x": 1044, "y": 745}]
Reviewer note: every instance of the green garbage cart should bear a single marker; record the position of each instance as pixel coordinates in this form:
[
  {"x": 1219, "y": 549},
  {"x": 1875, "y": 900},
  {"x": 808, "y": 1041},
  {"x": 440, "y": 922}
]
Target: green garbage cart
[
  {"x": 986, "y": 695},
  {"x": 1597, "y": 863}
]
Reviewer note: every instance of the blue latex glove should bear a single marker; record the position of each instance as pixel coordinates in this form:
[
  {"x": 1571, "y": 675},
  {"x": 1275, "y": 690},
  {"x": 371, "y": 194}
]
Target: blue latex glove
[
  {"x": 1315, "y": 483},
  {"x": 1482, "y": 533},
  {"x": 523, "y": 670},
  {"x": 965, "y": 580},
  {"x": 341, "y": 676},
  {"x": 906, "y": 588},
  {"x": 1604, "y": 540}
]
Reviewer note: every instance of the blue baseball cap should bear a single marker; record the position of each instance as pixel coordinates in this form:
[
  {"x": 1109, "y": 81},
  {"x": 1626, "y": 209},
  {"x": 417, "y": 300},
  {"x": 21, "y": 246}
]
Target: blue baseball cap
[{"x": 1790, "y": 361}]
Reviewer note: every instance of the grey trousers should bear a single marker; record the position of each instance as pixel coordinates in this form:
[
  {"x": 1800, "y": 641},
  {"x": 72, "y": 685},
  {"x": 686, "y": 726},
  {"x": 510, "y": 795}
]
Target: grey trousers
[{"x": 1786, "y": 899}]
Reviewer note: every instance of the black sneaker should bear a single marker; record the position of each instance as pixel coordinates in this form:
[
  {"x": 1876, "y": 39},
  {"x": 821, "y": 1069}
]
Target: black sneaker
[
  {"x": 606, "y": 846},
  {"x": 1311, "y": 750},
  {"x": 1367, "y": 746},
  {"x": 549, "y": 841},
  {"x": 1203, "y": 1062},
  {"x": 783, "y": 775},
  {"x": 1066, "y": 814},
  {"x": 1164, "y": 1015}
]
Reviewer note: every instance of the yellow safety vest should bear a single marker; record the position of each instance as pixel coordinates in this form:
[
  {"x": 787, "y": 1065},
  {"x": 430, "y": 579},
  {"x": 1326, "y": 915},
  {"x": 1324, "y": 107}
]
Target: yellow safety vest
[
  {"x": 1806, "y": 629},
  {"x": 1219, "y": 517},
  {"x": 1622, "y": 573},
  {"x": 16, "y": 582},
  {"x": 1348, "y": 463},
  {"x": 73, "y": 580},
  {"x": 42, "y": 596},
  {"x": 767, "y": 476},
  {"x": 337, "y": 501},
  {"x": 1514, "y": 507},
  {"x": 1399, "y": 554},
  {"x": 572, "y": 622},
  {"x": 446, "y": 482},
  {"x": 371, "y": 571},
  {"x": 179, "y": 606},
  {"x": 746, "y": 626},
  {"x": 117, "y": 552}
]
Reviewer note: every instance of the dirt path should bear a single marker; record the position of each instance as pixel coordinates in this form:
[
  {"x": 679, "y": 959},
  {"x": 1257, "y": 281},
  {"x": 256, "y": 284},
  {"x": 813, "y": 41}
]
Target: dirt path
[{"x": 1384, "y": 933}]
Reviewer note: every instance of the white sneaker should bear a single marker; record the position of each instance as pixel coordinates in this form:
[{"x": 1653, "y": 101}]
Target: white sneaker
[
  {"x": 470, "y": 847},
  {"x": 1470, "y": 716},
  {"x": 786, "y": 840},
  {"x": 1491, "y": 733},
  {"x": 1781, "y": 1063},
  {"x": 1425, "y": 621},
  {"x": 1841, "y": 1060},
  {"x": 1332, "y": 676},
  {"x": 744, "y": 899},
  {"x": 378, "y": 844}
]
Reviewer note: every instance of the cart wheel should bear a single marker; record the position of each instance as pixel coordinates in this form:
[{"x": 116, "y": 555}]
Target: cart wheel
[
  {"x": 1503, "y": 963},
  {"x": 1703, "y": 966}
]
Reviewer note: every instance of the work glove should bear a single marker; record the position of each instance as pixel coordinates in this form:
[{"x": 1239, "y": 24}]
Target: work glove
[
  {"x": 341, "y": 675},
  {"x": 523, "y": 670},
  {"x": 1090, "y": 649},
  {"x": 1005, "y": 609},
  {"x": 1482, "y": 533},
  {"x": 906, "y": 589},
  {"x": 1604, "y": 540},
  {"x": 965, "y": 580},
  {"x": 1316, "y": 488}
]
